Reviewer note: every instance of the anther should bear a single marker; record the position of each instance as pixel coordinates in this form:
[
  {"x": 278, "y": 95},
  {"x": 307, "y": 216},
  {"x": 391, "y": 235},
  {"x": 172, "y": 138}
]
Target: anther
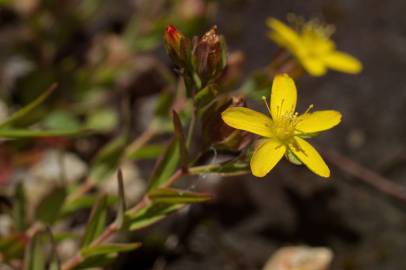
[{"x": 266, "y": 104}]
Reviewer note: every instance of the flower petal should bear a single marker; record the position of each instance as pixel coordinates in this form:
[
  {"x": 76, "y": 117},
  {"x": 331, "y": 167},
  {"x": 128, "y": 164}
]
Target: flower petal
[
  {"x": 248, "y": 120},
  {"x": 282, "y": 34},
  {"x": 318, "y": 121},
  {"x": 343, "y": 62},
  {"x": 314, "y": 66},
  {"x": 266, "y": 156},
  {"x": 306, "y": 153},
  {"x": 283, "y": 96}
]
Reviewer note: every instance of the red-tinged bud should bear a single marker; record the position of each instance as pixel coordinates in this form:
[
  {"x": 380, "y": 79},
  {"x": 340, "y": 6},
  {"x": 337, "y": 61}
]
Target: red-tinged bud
[
  {"x": 209, "y": 56},
  {"x": 176, "y": 45},
  {"x": 173, "y": 37}
]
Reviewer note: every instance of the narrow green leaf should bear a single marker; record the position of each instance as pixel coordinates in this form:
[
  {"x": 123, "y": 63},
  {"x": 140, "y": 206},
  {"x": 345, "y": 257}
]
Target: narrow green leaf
[
  {"x": 29, "y": 107},
  {"x": 61, "y": 120},
  {"x": 19, "y": 209},
  {"x": 184, "y": 156},
  {"x": 206, "y": 96},
  {"x": 97, "y": 221},
  {"x": 165, "y": 102},
  {"x": 176, "y": 196},
  {"x": 150, "y": 151},
  {"x": 108, "y": 159},
  {"x": 85, "y": 201},
  {"x": 96, "y": 261},
  {"x": 222, "y": 169},
  {"x": 105, "y": 119},
  {"x": 54, "y": 263},
  {"x": 122, "y": 201},
  {"x": 292, "y": 158},
  {"x": 108, "y": 248},
  {"x": 31, "y": 133},
  {"x": 50, "y": 207},
  {"x": 166, "y": 165},
  {"x": 150, "y": 214},
  {"x": 34, "y": 254}
]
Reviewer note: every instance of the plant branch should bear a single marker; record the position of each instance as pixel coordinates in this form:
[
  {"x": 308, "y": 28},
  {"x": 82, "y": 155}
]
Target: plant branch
[{"x": 366, "y": 175}]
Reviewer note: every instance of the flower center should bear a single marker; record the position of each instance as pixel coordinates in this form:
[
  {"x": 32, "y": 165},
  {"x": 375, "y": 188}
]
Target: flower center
[
  {"x": 284, "y": 127},
  {"x": 315, "y": 35}
]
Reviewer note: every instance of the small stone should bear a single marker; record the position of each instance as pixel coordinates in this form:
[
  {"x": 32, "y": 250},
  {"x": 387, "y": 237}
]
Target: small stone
[
  {"x": 134, "y": 185},
  {"x": 300, "y": 258},
  {"x": 55, "y": 164},
  {"x": 6, "y": 224}
]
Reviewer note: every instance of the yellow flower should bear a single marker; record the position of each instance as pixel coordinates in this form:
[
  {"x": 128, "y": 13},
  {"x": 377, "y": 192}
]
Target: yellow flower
[
  {"x": 312, "y": 47},
  {"x": 284, "y": 131}
]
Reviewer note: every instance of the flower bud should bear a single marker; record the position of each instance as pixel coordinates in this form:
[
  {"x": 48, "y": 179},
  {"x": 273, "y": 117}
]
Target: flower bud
[
  {"x": 176, "y": 45},
  {"x": 208, "y": 56}
]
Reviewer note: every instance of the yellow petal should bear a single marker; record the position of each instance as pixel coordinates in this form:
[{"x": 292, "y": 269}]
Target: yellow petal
[
  {"x": 318, "y": 121},
  {"x": 306, "y": 153},
  {"x": 313, "y": 65},
  {"x": 266, "y": 156},
  {"x": 343, "y": 62},
  {"x": 248, "y": 120},
  {"x": 283, "y": 97},
  {"x": 282, "y": 33}
]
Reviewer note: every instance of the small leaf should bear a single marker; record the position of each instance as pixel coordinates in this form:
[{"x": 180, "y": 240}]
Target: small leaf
[
  {"x": 206, "y": 96},
  {"x": 102, "y": 120},
  {"x": 292, "y": 158},
  {"x": 122, "y": 202},
  {"x": 61, "y": 120},
  {"x": 96, "y": 261},
  {"x": 165, "y": 102},
  {"x": 150, "y": 214},
  {"x": 150, "y": 151},
  {"x": 85, "y": 201},
  {"x": 175, "y": 196},
  {"x": 34, "y": 254},
  {"x": 31, "y": 133},
  {"x": 19, "y": 209},
  {"x": 184, "y": 156},
  {"x": 54, "y": 263},
  {"x": 165, "y": 166},
  {"x": 108, "y": 248},
  {"x": 50, "y": 207},
  {"x": 223, "y": 169},
  {"x": 29, "y": 107},
  {"x": 97, "y": 221}
]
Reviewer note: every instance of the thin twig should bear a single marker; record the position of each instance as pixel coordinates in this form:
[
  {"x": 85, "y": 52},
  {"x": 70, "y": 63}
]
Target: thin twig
[{"x": 366, "y": 175}]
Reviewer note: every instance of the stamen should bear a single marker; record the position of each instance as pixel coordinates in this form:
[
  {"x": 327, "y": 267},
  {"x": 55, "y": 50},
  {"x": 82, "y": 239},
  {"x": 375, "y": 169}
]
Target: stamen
[
  {"x": 309, "y": 108},
  {"x": 266, "y": 104},
  {"x": 296, "y": 21},
  {"x": 319, "y": 29}
]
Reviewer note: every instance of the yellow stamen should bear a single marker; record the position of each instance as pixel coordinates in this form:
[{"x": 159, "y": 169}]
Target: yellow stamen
[{"x": 266, "y": 104}]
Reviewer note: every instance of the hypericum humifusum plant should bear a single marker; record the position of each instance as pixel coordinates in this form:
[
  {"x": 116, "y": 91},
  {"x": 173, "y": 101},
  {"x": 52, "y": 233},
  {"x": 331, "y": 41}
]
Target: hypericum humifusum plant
[{"x": 210, "y": 130}]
